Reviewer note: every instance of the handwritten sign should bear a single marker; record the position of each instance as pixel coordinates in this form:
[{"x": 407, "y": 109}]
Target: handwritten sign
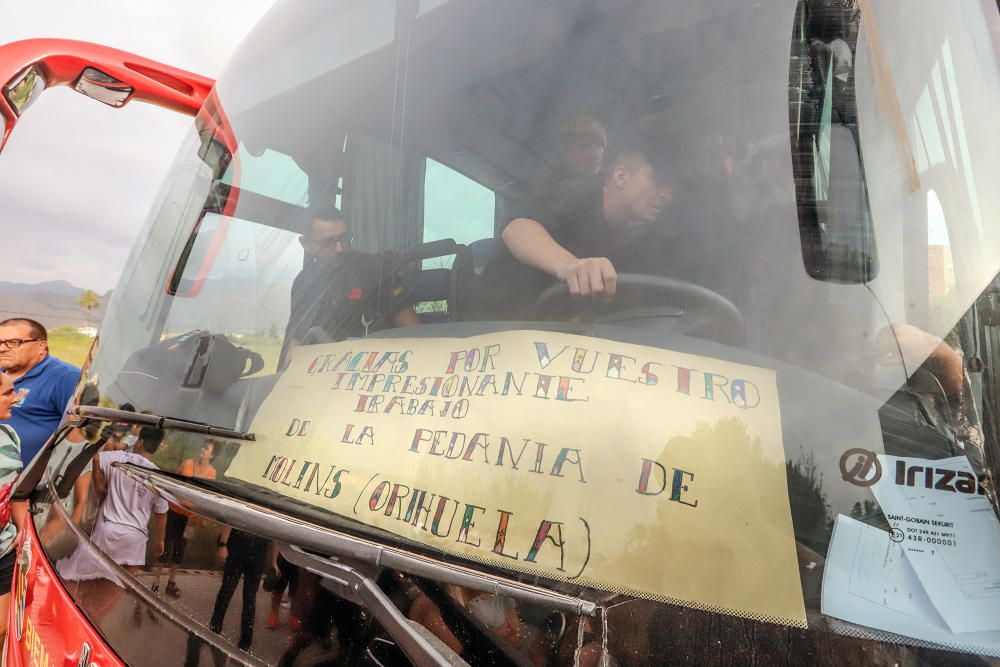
[{"x": 616, "y": 466}]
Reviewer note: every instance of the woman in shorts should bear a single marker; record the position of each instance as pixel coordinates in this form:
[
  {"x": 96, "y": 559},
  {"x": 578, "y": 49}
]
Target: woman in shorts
[{"x": 178, "y": 529}]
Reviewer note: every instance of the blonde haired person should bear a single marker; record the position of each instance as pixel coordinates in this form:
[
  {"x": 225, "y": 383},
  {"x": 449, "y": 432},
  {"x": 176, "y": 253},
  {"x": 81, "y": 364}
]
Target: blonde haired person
[{"x": 582, "y": 141}]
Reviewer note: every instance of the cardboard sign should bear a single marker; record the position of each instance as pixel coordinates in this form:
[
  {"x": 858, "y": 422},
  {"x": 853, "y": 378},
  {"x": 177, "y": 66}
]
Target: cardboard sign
[{"x": 616, "y": 466}]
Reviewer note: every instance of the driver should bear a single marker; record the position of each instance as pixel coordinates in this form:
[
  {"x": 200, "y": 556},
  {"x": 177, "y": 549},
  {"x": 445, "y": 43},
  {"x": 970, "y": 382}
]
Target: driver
[{"x": 582, "y": 233}]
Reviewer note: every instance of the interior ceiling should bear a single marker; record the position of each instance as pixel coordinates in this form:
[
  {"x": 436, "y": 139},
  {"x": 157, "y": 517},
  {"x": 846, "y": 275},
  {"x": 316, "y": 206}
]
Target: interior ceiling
[{"x": 502, "y": 128}]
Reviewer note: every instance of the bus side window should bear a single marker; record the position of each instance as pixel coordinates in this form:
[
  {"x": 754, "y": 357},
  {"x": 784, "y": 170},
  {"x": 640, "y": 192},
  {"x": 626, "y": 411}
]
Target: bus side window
[
  {"x": 459, "y": 208},
  {"x": 455, "y": 207}
]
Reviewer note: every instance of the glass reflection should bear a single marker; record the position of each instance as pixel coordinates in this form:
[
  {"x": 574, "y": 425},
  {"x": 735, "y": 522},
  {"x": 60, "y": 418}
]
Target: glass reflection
[
  {"x": 880, "y": 359},
  {"x": 121, "y": 529}
]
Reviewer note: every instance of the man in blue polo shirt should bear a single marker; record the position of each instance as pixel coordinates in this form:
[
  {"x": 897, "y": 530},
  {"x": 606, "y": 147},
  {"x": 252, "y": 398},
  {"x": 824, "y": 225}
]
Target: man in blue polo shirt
[{"x": 44, "y": 384}]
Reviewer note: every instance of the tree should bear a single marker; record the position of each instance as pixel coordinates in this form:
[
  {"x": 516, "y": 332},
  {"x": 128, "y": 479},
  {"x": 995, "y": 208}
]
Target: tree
[
  {"x": 811, "y": 515},
  {"x": 89, "y": 301}
]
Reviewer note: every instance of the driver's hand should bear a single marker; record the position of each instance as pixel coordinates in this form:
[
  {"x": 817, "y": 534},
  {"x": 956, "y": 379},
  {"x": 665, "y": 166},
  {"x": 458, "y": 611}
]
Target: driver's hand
[
  {"x": 946, "y": 363},
  {"x": 591, "y": 276}
]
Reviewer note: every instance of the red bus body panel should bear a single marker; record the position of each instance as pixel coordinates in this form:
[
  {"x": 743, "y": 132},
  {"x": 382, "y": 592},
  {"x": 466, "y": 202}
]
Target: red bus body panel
[{"x": 45, "y": 627}]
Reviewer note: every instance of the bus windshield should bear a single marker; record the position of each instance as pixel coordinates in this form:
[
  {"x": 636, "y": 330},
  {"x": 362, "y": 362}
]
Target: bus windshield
[{"x": 690, "y": 304}]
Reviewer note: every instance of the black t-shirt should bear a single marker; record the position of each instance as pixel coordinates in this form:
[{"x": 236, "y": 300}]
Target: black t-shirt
[
  {"x": 347, "y": 301},
  {"x": 573, "y": 214}
]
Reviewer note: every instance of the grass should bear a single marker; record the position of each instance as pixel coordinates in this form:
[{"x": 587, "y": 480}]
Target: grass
[
  {"x": 268, "y": 347},
  {"x": 70, "y": 345}
]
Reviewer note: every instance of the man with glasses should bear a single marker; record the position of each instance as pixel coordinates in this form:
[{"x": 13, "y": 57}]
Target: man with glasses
[
  {"x": 340, "y": 293},
  {"x": 44, "y": 384}
]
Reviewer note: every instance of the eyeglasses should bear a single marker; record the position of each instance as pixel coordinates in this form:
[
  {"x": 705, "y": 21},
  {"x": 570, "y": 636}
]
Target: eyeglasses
[
  {"x": 14, "y": 343},
  {"x": 344, "y": 239}
]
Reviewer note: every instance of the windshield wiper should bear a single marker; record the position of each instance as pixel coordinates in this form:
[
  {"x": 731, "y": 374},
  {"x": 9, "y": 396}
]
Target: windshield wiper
[
  {"x": 156, "y": 421},
  {"x": 267, "y": 522},
  {"x": 355, "y": 586},
  {"x": 32, "y": 474}
]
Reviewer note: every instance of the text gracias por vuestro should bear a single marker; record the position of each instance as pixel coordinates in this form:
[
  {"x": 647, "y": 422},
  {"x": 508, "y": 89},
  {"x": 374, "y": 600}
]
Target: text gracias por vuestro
[{"x": 382, "y": 386}]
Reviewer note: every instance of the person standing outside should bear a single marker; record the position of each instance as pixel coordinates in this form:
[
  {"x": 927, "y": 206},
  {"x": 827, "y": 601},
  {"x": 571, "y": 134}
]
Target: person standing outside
[
  {"x": 245, "y": 556},
  {"x": 121, "y": 527},
  {"x": 11, "y": 514},
  {"x": 43, "y": 384},
  {"x": 178, "y": 517}
]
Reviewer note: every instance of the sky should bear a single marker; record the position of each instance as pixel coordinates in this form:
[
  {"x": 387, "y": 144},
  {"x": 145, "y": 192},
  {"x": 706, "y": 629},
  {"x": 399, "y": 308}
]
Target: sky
[{"x": 77, "y": 177}]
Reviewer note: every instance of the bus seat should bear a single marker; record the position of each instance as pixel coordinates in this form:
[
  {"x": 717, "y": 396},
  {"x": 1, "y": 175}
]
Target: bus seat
[
  {"x": 432, "y": 289},
  {"x": 469, "y": 263},
  {"x": 482, "y": 251}
]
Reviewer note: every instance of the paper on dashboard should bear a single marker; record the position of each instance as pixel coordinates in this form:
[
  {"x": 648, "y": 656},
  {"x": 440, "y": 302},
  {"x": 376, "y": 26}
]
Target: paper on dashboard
[
  {"x": 945, "y": 525},
  {"x": 868, "y": 580}
]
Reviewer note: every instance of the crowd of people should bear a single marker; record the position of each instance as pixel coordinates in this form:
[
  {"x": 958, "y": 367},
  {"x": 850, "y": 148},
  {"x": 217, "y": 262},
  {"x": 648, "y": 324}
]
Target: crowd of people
[{"x": 35, "y": 388}]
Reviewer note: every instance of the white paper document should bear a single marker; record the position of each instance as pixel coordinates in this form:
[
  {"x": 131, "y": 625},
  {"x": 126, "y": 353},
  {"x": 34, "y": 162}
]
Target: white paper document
[
  {"x": 935, "y": 575},
  {"x": 868, "y": 580},
  {"x": 949, "y": 533}
]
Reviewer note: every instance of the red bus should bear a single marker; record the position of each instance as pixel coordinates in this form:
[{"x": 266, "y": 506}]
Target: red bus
[{"x": 576, "y": 332}]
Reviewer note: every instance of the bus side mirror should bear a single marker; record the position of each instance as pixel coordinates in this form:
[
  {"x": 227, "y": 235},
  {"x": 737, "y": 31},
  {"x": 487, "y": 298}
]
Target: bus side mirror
[
  {"x": 99, "y": 86},
  {"x": 110, "y": 76},
  {"x": 19, "y": 93},
  {"x": 22, "y": 91}
]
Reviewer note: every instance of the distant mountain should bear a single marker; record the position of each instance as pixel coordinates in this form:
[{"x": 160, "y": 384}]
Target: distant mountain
[
  {"x": 60, "y": 287},
  {"x": 53, "y": 303}
]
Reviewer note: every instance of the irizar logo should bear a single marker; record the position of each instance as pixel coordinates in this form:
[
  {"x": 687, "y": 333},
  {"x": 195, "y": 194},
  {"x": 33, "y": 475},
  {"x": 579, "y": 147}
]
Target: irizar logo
[
  {"x": 939, "y": 479},
  {"x": 866, "y": 469}
]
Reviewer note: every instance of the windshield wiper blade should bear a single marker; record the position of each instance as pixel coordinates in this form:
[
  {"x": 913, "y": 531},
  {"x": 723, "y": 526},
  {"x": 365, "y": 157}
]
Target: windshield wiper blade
[
  {"x": 156, "y": 421},
  {"x": 272, "y": 524},
  {"x": 32, "y": 474},
  {"x": 355, "y": 586}
]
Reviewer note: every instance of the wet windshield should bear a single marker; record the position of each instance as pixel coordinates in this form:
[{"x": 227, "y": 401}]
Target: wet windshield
[{"x": 691, "y": 305}]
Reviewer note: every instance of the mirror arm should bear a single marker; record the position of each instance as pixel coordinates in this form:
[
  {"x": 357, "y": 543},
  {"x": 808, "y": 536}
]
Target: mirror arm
[{"x": 63, "y": 62}]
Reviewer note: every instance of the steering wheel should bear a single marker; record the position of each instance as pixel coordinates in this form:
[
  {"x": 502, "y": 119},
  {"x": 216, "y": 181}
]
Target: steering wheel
[{"x": 715, "y": 311}]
